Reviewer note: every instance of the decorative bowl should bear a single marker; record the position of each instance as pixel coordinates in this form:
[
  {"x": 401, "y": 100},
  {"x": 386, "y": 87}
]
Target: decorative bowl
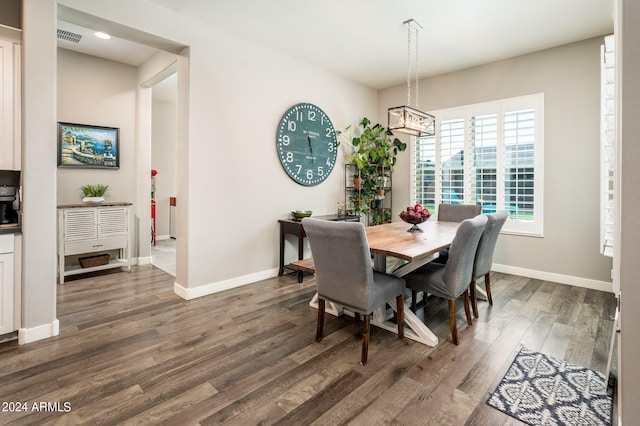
[
  {"x": 415, "y": 218},
  {"x": 300, "y": 214}
]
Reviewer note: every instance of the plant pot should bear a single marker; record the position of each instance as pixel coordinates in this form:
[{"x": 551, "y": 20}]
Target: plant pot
[
  {"x": 93, "y": 200},
  {"x": 357, "y": 182}
]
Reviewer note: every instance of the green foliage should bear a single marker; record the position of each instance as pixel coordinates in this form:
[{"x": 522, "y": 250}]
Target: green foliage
[
  {"x": 377, "y": 219},
  {"x": 375, "y": 145},
  {"x": 361, "y": 202},
  {"x": 94, "y": 190}
]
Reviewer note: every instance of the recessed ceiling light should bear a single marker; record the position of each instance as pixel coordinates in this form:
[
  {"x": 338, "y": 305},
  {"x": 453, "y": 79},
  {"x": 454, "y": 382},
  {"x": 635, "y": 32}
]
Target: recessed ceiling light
[{"x": 102, "y": 35}]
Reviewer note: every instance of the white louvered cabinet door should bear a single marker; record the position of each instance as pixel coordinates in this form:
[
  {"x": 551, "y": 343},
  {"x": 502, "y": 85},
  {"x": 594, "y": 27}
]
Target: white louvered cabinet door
[
  {"x": 113, "y": 222},
  {"x": 80, "y": 224}
]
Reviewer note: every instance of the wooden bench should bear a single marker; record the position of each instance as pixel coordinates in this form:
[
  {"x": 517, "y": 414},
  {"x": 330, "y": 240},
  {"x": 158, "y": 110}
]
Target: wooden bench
[{"x": 302, "y": 266}]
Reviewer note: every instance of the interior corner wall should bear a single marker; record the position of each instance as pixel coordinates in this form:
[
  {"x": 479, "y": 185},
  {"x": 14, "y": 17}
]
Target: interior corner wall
[
  {"x": 569, "y": 77},
  {"x": 628, "y": 237},
  {"x": 100, "y": 92},
  {"x": 163, "y": 159},
  {"x": 232, "y": 188},
  {"x": 38, "y": 313}
]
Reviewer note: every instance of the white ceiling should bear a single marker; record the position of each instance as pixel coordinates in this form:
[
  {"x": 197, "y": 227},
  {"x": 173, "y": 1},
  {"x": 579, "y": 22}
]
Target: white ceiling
[
  {"x": 366, "y": 40},
  {"x": 115, "y": 49}
]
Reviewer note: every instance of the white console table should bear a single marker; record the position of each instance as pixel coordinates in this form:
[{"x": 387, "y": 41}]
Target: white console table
[{"x": 93, "y": 229}]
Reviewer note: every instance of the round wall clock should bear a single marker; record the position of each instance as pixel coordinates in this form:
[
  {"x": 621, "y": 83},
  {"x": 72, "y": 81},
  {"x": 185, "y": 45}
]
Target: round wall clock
[{"x": 306, "y": 144}]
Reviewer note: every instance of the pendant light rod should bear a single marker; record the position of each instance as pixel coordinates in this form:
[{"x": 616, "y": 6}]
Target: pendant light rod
[
  {"x": 412, "y": 24},
  {"x": 405, "y": 119}
]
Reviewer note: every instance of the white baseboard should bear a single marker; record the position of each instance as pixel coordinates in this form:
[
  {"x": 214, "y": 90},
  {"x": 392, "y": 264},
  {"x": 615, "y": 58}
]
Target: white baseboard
[
  {"x": 28, "y": 335},
  {"x": 142, "y": 260},
  {"x": 553, "y": 277},
  {"x": 207, "y": 289}
]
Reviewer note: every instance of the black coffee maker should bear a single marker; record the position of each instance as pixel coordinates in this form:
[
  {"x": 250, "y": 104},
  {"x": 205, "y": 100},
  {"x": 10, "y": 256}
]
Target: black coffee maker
[
  {"x": 8, "y": 213},
  {"x": 10, "y": 199}
]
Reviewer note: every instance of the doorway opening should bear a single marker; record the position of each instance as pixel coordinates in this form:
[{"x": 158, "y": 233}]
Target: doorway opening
[{"x": 164, "y": 174}]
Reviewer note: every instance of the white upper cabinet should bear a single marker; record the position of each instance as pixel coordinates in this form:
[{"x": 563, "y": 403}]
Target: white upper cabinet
[{"x": 10, "y": 146}]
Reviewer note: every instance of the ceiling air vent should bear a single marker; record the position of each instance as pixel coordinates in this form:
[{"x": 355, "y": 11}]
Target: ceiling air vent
[{"x": 69, "y": 36}]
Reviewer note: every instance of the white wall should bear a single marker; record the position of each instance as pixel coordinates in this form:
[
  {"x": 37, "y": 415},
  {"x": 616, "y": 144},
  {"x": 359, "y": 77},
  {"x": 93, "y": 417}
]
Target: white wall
[
  {"x": 237, "y": 188},
  {"x": 163, "y": 159},
  {"x": 232, "y": 184},
  {"x": 628, "y": 64},
  {"x": 569, "y": 77},
  {"x": 234, "y": 189},
  {"x": 100, "y": 92},
  {"x": 38, "y": 173}
]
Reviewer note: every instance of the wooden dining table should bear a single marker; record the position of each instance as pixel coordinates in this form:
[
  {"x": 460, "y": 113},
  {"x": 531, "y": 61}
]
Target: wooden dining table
[{"x": 398, "y": 252}]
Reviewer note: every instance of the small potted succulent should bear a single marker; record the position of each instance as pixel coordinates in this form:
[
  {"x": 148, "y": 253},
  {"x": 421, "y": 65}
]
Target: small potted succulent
[{"x": 94, "y": 193}]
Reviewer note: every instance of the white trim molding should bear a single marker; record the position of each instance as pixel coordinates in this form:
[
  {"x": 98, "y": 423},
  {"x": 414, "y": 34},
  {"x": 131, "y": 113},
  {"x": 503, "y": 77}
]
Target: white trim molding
[
  {"x": 147, "y": 260},
  {"x": 553, "y": 277},
  {"x": 28, "y": 335},
  {"x": 207, "y": 289}
]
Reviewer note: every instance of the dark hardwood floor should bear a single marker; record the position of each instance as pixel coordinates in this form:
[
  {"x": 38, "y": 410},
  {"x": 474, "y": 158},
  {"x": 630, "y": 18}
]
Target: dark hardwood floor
[{"x": 132, "y": 352}]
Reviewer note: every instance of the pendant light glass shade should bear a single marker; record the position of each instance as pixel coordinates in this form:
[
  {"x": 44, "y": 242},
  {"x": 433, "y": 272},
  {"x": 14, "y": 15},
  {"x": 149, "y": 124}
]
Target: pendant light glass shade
[{"x": 404, "y": 119}]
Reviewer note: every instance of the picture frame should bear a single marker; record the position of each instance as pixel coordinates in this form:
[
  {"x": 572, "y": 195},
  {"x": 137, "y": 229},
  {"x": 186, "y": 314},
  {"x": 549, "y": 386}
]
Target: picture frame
[{"x": 88, "y": 146}]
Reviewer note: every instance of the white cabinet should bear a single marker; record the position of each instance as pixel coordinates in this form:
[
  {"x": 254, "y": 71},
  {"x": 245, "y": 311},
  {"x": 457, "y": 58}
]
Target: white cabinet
[
  {"x": 10, "y": 150},
  {"x": 90, "y": 231},
  {"x": 7, "y": 284}
]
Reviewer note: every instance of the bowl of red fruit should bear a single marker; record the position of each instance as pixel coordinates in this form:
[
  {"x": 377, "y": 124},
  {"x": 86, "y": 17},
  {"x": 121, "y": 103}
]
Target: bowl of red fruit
[{"x": 415, "y": 215}]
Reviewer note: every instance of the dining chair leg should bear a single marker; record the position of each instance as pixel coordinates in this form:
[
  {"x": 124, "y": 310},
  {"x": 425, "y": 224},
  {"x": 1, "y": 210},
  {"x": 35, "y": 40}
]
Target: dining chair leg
[
  {"x": 452, "y": 321},
  {"x": 467, "y": 311},
  {"x": 400, "y": 315},
  {"x": 414, "y": 297},
  {"x": 320, "y": 326},
  {"x": 487, "y": 285},
  {"x": 366, "y": 329},
  {"x": 474, "y": 298}
]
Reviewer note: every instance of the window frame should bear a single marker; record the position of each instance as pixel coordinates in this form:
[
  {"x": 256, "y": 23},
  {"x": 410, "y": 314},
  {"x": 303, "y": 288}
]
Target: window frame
[{"x": 534, "y": 228}]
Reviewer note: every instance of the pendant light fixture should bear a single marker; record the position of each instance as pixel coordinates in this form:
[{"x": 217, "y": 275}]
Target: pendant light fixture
[{"x": 405, "y": 119}]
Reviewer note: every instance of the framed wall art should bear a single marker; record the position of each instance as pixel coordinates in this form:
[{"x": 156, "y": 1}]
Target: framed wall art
[{"x": 84, "y": 146}]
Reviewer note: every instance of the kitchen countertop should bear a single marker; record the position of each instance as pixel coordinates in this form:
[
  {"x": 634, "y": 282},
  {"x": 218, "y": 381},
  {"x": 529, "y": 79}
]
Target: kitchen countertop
[{"x": 10, "y": 228}]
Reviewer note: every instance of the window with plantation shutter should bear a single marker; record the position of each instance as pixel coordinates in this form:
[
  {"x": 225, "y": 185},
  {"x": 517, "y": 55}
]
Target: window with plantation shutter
[
  {"x": 484, "y": 140},
  {"x": 488, "y": 154},
  {"x": 425, "y": 173},
  {"x": 607, "y": 150},
  {"x": 519, "y": 166},
  {"x": 452, "y": 153}
]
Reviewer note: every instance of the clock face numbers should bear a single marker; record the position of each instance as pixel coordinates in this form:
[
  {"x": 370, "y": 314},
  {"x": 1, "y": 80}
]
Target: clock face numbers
[{"x": 306, "y": 144}]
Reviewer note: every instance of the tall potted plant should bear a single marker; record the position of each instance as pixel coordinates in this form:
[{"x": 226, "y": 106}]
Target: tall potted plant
[
  {"x": 375, "y": 145},
  {"x": 373, "y": 152}
]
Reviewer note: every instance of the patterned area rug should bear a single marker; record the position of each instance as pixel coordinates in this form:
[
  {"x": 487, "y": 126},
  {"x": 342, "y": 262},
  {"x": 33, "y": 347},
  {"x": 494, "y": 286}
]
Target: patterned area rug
[{"x": 541, "y": 390}]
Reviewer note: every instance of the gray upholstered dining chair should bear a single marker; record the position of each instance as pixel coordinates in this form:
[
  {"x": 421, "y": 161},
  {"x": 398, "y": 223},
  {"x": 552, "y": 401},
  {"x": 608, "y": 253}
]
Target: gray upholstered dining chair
[
  {"x": 458, "y": 212},
  {"x": 450, "y": 213},
  {"x": 484, "y": 256},
  {"x": 453, "y": 279},
  {"x": 455, "y": 213},
  {"x": 344, "y": 274}
]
